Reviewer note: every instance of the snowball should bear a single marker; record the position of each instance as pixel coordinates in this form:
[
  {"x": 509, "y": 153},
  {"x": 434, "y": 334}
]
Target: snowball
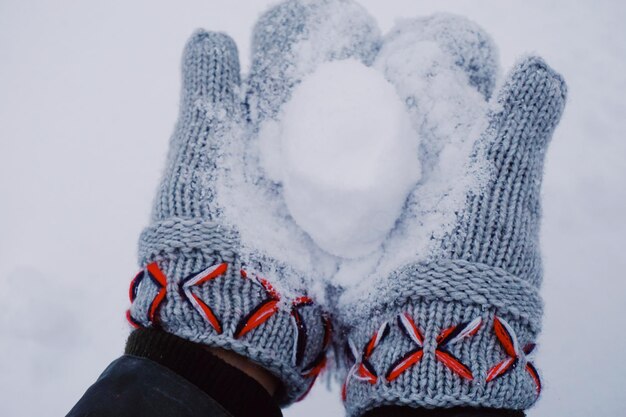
[
  {"x": 349, "y": 157},
  {"x": 449, "y": 114}
]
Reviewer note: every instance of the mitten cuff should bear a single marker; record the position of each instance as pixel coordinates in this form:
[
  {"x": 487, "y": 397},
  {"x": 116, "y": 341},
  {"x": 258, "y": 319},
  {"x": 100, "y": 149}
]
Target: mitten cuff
[
  {"x": 195, "y": 286},
  {"x": 176, "y": 237},
  {"x": 454, "y": 334}
]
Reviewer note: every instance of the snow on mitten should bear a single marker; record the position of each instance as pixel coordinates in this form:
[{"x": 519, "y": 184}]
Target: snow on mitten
[
  {"x": 294, "y": 38},
  {"x": 450, "y": 313},
  {"x": 216, "y": 257}
]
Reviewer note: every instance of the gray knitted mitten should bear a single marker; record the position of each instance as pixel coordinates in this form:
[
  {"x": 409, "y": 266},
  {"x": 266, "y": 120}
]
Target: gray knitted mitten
[
  {"x": 203, "y": 278},
  {"x": 457, "y": 328}
]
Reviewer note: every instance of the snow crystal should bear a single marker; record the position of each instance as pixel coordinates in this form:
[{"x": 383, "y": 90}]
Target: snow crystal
[
  {"x": 338, "y": 29},
  {"x": 292, "y": 39},
  {"x": 467, "y": 44},
  {"x": 349, "y": 157}
]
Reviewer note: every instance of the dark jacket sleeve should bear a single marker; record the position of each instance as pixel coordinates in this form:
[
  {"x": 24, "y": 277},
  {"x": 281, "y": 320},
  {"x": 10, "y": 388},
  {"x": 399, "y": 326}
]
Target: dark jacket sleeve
[
  {"x": 163, "y": 375},
  {"x": 136, "y": 387}
]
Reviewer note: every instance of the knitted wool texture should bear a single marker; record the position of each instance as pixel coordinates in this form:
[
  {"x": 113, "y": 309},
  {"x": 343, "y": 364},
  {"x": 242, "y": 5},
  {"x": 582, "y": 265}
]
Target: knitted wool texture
[
  {"x": 187, "y": 233},
  {"x": 488, "y": 267}
]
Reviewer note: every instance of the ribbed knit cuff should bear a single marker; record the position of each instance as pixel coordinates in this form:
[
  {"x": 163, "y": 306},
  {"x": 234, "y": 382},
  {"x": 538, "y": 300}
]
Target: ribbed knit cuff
[
  {"x": 399, "y": 411},
  {"x": 450, "y": 335},
  {"x": 196, "y": 286},
  {"x": 224, "y": 383}
]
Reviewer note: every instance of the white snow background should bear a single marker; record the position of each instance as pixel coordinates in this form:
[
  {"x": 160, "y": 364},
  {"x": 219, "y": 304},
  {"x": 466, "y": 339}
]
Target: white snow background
[{"x": 88, "y": 99}]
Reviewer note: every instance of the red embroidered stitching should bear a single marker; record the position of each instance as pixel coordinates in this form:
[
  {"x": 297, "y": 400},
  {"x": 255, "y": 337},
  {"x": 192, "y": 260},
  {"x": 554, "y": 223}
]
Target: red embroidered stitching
[
  {"x": 196, "y": 280},
  {"x": 300, "y": 326},
  {"x": 313, "y": 371},
  {"x": 158, "y": 278},
  {"x": 362, "y": 368},
  {"x": 132, "y": 295},
  {"x": 413, "y": 357},
  {"x": 259, "y": 315},
  {"x": 319, "y": 363},
  {"x": 262, "y": 312},
  {"x": 452, "y": 335},
  {"x": 508, "y": 339},
  {"x": 448, "y": 336}
]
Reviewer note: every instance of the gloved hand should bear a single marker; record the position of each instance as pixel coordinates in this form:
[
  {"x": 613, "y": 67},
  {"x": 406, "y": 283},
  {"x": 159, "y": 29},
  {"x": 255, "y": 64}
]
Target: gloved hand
[
  {"x": 214, "y": 266},
  {"x": 448, "y": 317}
]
